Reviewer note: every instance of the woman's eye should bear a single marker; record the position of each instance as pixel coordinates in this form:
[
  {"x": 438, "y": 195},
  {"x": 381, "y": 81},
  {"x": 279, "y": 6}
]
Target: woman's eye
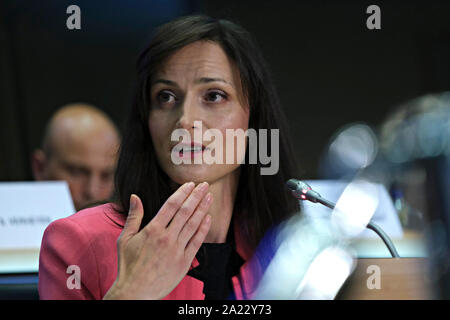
[
  {"x": 166, "y": 97},
  {"x": 215, "y": 96}
]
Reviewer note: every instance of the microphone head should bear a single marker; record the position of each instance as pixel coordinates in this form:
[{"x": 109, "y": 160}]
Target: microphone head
[
  {"x": 297, "y": 185},
  {"x": 302, "y": 190},
  {"x": 292, "y": 184}
]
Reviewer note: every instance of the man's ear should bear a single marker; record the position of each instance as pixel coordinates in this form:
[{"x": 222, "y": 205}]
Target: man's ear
[{"x": 38, "y": 164}]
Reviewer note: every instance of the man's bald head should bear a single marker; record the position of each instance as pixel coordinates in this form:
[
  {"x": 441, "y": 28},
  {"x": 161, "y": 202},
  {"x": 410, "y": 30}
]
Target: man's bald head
[
  {"x": 80, "y": 146},
  {"x": 78, "y": 124}
]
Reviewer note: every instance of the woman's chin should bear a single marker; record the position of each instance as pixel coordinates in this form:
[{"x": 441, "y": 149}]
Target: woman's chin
[
  {"x": 198, "y": 173},
  {"x": 195, "y": 173}
]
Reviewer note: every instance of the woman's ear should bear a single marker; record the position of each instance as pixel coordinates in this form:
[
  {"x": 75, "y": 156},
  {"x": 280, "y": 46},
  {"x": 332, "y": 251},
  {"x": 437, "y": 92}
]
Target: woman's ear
[{"x": 38, "y": 164}]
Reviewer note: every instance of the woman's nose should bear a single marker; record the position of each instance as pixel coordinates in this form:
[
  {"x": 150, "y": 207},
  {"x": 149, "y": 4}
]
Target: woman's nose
[{"x": 190, "y": 113}]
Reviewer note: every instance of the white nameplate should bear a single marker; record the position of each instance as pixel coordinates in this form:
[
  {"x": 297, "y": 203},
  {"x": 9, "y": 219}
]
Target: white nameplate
[{"x": 27, "y": 208}]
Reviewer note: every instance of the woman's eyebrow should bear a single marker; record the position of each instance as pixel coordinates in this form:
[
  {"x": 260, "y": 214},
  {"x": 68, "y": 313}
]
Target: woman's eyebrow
[
  {"x": 207, "y": 80},
  {"x": 200, "y": 80},
  {"x": 164, "y": 81}
]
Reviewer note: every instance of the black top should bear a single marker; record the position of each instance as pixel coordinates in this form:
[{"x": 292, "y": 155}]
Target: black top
[{"x": 218, "y": 263}]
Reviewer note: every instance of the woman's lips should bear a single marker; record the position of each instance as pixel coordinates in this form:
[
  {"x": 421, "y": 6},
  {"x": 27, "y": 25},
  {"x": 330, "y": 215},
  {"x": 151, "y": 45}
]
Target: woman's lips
[{"x": 189, "y": 150}]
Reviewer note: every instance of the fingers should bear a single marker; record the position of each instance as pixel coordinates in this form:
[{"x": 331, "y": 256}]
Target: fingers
[
  {"x": 192, "y": 225},
  {"x": 187, "y": 208},
  {"x": 173, "y": 203},
  {"x": 134, "y": 217},
  {"x": 197, "y": 240}
]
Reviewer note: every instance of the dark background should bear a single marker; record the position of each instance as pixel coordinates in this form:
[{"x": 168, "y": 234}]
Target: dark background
[{"x": 328, "y": 67}]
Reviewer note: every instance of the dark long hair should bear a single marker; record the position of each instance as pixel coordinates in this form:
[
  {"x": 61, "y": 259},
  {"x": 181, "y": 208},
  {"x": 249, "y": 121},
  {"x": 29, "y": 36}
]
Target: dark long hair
[{"x": 261, "y": 200}]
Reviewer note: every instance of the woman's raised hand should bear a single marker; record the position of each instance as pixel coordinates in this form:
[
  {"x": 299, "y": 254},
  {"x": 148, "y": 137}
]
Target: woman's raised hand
[{"x": 154, "y": 260}]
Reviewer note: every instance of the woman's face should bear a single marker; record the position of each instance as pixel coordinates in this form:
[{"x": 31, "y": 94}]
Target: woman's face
[{"x": 198, "y": 89}]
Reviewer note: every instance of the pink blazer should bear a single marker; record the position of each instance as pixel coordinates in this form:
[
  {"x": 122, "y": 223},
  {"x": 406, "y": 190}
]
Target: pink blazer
[{"x": 88, "y": 240}]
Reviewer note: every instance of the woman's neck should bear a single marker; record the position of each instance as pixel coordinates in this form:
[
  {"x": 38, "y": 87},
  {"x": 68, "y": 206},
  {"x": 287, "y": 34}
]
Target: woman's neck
[{"x": 221, "y": 210}]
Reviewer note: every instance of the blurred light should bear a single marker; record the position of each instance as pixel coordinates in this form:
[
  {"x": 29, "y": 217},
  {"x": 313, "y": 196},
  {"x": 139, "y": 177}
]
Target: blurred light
[
  {"x": 402, "y": 146},
  {"x": 300, "y": 241},
  {"x": 431, "y": 137},
  {"x": 326, "y": 275},
  {"x": 418, "y": 129},
  {"x": 355, "y": 207},
  {"x": 354, "y": 147}
]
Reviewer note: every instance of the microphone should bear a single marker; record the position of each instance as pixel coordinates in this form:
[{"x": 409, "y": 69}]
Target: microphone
[{"x": 303, "y": 191}]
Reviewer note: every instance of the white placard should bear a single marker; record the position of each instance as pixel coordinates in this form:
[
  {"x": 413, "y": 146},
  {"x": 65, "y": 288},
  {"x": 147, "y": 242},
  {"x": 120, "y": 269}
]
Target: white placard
[{"x": 27, "y": 208}]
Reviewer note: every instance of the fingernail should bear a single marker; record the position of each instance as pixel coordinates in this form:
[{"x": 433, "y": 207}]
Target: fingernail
[
  {"x": 203, "y": 186},
  {"x": 133, "y": 202},
  {"x": 189, "y": 185}
]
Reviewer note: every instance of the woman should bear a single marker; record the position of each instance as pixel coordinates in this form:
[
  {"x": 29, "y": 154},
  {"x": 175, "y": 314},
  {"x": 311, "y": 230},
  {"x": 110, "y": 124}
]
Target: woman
[{"x": 183, "y": 231}]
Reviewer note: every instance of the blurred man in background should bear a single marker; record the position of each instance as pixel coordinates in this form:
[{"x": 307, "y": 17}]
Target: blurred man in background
[{"x": 80, "y": 146}]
